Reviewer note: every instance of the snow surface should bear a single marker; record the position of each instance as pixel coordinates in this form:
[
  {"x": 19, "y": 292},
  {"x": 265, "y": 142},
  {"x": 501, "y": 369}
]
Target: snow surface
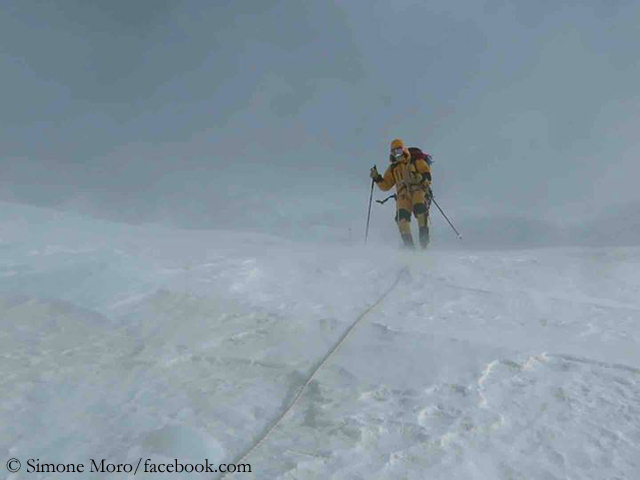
[{"x": 121, "y": 342}]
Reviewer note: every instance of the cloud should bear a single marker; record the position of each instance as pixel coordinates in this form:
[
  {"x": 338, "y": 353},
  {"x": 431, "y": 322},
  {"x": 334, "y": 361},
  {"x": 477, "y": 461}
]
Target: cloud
[{"x": 519, "y": 104}]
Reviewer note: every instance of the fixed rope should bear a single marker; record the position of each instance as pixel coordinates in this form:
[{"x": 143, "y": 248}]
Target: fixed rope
[{"x": 278, "y": 419}]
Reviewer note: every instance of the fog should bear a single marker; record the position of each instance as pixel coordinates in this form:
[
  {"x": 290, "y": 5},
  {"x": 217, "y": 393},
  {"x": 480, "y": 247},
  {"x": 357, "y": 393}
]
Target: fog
[
  {"x": 183, "y": 198},
  {"x": 267, "y": 116}
]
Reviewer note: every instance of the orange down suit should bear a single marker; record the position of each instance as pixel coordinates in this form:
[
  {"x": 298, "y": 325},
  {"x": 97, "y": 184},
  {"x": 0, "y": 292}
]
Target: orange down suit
[{"x": 412, "y": 180}]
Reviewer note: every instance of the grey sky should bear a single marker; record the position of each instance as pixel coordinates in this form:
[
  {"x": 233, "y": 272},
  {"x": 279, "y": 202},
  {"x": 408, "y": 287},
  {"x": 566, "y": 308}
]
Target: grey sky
[{"x": 527, "y": 106}]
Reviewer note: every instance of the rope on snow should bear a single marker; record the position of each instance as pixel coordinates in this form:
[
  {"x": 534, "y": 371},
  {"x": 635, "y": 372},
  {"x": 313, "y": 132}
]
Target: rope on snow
[{"x": 278, "y": 419}]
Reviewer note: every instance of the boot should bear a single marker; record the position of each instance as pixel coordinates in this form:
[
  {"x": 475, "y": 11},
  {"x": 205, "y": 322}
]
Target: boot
[
  {"x": 407, "y": 240},
  {"x": 424, "y": 237}
]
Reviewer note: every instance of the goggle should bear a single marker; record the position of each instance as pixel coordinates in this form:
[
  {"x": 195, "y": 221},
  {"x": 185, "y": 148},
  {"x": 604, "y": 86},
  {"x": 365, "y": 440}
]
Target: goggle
[{"x": 396, "y": 152}]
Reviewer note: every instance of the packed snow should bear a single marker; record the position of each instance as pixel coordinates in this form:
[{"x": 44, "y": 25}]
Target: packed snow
[{"x": 123, "y": 342}]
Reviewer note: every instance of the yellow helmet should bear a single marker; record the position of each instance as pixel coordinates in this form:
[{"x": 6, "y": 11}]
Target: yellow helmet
[{"x": 397, "y": 143}]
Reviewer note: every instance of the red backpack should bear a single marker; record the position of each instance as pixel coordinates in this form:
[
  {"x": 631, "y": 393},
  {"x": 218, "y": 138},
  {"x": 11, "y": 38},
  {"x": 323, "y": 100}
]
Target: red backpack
[{"x": 417, "y": 154}]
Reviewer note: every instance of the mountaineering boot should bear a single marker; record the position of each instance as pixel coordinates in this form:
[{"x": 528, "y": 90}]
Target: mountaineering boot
[
  {"x": 407, "y": 241},
  {"x": 424, "y": 237}
]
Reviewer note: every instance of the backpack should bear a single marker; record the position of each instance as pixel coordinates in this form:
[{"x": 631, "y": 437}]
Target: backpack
[{"x": 417, "y": 154}]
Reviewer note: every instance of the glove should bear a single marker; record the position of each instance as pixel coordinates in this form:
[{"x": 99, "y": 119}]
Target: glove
[
  {"x": 373, "y": 173},
  {"x": 429, "y": 193}
]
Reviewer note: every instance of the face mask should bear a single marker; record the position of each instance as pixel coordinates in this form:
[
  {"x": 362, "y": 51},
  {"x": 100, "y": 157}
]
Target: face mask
[{"x": 397, "y": 153}]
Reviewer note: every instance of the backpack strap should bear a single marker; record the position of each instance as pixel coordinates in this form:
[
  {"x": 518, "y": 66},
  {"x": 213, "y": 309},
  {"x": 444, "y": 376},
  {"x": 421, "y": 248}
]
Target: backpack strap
[{"x": 417, "y": 154}]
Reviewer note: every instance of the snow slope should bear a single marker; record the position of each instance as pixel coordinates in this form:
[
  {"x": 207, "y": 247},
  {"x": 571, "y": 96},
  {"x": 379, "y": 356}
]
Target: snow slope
[{"x": 122, "y": 342}]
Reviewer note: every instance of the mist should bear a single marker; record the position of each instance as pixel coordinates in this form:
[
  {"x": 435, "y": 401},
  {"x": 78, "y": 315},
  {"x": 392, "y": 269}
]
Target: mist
[
  {"x": 266, "y": 116},
  {"x": 184, "y": 194}
]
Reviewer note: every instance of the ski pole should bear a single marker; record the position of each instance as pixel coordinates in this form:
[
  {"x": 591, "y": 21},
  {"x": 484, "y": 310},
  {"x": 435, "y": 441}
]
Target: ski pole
[
  {"x": 446, "y": 218},
  {"x": 366, "y": 233},
  {"x": 382, "y": 202}
]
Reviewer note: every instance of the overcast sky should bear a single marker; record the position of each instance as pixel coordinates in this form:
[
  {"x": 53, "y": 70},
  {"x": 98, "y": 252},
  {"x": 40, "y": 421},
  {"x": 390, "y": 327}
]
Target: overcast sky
[{"x": 529, "y": 107}]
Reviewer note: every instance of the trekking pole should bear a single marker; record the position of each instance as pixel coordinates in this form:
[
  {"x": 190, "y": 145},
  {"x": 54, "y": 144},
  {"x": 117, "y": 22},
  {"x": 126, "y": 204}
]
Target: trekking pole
[
  {"x": 366, "y": 233},
  {"x": 382, "y": 202},
  {"x": 446, "y": 218}
]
